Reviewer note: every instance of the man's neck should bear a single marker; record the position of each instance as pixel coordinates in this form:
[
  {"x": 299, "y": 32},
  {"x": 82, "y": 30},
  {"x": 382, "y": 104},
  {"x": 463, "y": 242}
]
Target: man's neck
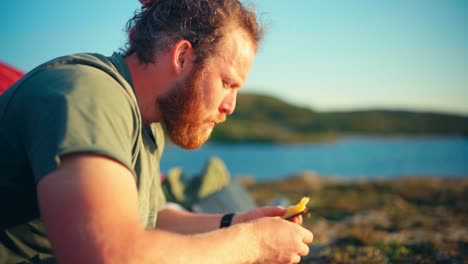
[{"x": 150, "y": 82}]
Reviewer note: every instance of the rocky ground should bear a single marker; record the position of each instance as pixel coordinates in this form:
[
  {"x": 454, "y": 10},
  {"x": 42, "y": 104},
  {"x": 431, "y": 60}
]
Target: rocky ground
[{"x": 406, "y": 220}]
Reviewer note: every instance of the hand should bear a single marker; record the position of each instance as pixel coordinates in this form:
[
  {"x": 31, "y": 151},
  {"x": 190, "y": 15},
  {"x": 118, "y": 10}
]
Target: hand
[
  {"x": 280, "y": 241},
  {"x": 266, "y": 211}
]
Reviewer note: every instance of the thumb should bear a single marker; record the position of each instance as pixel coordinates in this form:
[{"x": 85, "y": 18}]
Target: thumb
[{"x": 273, "y": 211}]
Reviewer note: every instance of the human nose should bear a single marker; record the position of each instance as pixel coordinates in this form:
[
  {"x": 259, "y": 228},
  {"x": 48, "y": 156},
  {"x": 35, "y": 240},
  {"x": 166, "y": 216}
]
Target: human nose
[{"x": 228, "y": 105}]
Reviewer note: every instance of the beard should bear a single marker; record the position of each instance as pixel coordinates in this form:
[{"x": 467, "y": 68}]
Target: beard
[{"x": 184, "y": 112}]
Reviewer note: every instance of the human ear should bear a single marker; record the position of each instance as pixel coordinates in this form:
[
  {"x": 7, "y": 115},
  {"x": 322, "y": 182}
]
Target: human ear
[{"x": 182, "y": 56}]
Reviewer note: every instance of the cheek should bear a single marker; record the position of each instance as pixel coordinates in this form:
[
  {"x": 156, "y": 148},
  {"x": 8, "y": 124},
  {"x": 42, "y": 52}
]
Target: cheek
[{"x": 213, "y": 94}]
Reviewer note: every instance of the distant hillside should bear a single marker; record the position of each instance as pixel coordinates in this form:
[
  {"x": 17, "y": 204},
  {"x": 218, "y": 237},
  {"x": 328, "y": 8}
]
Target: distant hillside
[{"x": 260, "y": 118}]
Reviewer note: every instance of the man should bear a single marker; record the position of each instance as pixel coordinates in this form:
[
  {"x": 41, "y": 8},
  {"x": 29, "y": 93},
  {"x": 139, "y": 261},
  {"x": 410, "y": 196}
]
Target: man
[{"x": 81, "y": 137}]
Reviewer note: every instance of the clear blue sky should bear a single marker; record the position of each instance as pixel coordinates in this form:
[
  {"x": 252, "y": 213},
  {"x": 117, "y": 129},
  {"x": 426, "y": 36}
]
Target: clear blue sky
[{"x": 328, "y": 54}]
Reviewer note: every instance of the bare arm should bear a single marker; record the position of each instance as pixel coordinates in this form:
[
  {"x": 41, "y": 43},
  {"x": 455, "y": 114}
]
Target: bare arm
[
  {"x": 185, "y": 222},
  {"x": 90, "y": 209}
]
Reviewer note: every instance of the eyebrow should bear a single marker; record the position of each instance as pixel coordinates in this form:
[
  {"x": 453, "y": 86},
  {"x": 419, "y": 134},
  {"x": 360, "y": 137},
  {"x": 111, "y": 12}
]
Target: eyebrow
[
  {"x": 233, "y": 83},
  {"x": 233, "y": 78}
]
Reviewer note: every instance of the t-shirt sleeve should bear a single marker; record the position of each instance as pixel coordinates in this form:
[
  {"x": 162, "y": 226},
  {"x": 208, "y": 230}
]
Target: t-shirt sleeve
[{"x": 74, "y": 109}]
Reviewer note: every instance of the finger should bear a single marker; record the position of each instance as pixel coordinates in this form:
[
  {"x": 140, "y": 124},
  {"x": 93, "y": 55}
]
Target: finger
[
  {"x": 294, "y": 219},
  {"x": 273, "y": 211},
  {"x": 304, "y": 250},
  {"x": 308, "y": 237},
  {"x": 296, "y": 259},
  {"x": 297, "y": 219}
]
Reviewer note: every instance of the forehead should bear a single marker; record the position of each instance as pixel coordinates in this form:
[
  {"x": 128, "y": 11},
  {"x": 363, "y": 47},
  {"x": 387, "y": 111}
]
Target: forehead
[{"x": 235, "y": 55}]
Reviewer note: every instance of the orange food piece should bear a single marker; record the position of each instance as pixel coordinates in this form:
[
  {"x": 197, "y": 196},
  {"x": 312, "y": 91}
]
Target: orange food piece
[{"x": 298, "y": 208}]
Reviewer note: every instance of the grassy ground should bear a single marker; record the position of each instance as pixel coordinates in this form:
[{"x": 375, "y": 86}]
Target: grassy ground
[{"x": 409, "y": 220}]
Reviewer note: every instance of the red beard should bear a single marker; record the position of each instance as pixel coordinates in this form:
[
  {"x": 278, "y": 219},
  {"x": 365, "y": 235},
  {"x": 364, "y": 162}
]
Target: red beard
[{"x": 184, "y": 112}]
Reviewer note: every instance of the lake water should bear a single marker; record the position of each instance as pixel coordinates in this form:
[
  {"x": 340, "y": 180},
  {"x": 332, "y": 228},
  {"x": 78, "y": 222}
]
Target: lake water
[{"x": 351, "y": 157}]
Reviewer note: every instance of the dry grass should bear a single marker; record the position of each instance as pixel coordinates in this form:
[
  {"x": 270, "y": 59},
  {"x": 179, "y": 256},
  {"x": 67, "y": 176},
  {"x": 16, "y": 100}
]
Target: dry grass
[{"x": 409, "y": 220}]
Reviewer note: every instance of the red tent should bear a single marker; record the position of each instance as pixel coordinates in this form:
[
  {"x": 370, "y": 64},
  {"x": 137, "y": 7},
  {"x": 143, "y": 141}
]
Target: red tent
[{"x": 8, "y": 75}]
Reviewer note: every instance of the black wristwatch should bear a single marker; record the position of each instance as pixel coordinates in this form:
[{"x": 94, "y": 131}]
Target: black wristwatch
[{"x": 226, "y": 220}]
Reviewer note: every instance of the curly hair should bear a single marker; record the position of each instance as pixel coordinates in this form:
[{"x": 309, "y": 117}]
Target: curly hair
[{"x": 159, "y": 24}]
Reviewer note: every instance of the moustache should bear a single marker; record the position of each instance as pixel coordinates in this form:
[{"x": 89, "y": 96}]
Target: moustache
[{"x": 221, "y": 118}]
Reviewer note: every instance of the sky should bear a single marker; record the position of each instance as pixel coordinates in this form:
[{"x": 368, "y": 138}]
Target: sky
[{"x": 328, "y": 55}]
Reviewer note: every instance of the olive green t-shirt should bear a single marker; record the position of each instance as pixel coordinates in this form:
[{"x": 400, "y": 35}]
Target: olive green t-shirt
[{"x": 83, "y": 103}]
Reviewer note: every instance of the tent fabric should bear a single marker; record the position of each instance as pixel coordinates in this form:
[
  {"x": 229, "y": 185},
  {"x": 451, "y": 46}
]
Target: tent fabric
[
  {"x": 186, "y": 191},
  {"x": 214, "y": 177},
  {"x": 8, "y": 76},
  {"x": 233, "y": 197},
  {"x": 213, "y": 191}
]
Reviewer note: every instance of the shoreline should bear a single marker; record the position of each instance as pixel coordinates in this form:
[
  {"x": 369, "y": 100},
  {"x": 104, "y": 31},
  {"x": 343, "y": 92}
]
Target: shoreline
[{"x": 311, "y": 175}]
